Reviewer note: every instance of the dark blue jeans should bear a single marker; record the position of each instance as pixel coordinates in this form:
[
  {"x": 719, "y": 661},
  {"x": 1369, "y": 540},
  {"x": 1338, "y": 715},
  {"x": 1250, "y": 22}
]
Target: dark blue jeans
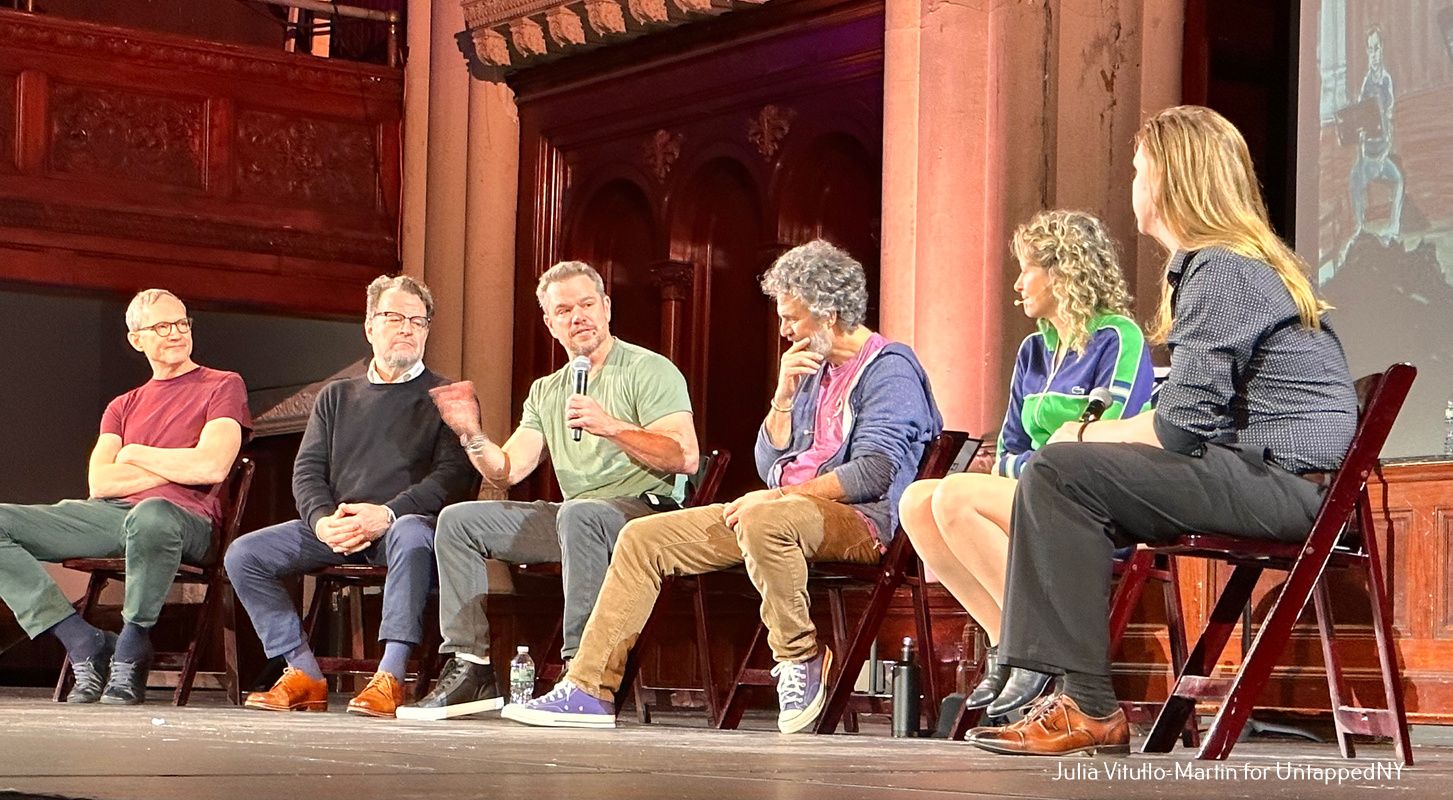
[{"x": 258, "y": 564}]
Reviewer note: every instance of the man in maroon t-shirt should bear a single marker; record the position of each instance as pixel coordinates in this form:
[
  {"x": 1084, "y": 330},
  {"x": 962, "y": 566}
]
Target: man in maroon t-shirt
[{"x": 164, "y": 452}]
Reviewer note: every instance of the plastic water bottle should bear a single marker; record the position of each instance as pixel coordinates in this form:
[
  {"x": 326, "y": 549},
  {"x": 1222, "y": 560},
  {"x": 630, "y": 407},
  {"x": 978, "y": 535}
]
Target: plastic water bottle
[
  {"x": 1448, "y": 429},
  {"x": 522, "y": 676}
]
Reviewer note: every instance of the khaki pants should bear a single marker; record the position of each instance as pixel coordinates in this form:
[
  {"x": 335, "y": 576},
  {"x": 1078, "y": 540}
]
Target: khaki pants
[{"x": 775, "y": 540}]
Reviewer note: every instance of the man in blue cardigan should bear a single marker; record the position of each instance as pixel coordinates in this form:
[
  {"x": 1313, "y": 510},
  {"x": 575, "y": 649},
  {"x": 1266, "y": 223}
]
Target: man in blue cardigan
[{"x": 848, "y": 424}]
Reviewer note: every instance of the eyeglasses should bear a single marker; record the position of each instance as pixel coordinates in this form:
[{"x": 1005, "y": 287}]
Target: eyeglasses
[
  {"x": 394, "y": 319},
  {"x": 183, "y": 325}
]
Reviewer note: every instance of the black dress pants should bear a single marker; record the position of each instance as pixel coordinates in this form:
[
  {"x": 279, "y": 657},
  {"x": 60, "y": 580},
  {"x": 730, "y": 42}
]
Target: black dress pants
[{"x": 1077, "y": 502}]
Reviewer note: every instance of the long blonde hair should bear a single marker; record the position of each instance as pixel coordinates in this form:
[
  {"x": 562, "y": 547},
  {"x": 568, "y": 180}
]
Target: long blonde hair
[
  {"x": 1075, "y": 248},
  {"x": 1205, "y": 192}
]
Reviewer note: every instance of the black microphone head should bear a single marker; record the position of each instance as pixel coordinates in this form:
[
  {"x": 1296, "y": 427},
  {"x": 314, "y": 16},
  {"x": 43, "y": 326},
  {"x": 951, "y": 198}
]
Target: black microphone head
[
  {"x": 1100, "y": 399},
  {"x": 581, "y": 368}
]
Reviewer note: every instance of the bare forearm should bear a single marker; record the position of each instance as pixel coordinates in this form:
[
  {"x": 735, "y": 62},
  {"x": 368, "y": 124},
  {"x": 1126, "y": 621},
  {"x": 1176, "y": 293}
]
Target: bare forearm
[
  {"x": 828, "y": 487},
  {"x": 1139, "y": 429},
  {"x": 187, "y": 466},
  {"x": 778, "y": 425},
  {"x": 653, "y": 450},
  {"x": 492, "y": 463},
  {"x": 122, "y": 480}
]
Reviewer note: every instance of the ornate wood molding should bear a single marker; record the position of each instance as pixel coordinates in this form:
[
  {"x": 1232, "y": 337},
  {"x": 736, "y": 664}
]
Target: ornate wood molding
[
  {"x": 769, "y": 127},
  {"x": 37, "y": 32},
  {"x": 518, "y": 33},
  {"x": 660, "y": 151}
]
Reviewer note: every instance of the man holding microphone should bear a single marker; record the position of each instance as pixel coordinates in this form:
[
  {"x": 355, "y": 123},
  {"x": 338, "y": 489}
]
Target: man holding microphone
[{"x": 619, "y": 449}]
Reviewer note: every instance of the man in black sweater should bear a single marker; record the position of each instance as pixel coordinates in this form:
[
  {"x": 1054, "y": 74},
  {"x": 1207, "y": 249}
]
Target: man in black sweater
[{"x": 374, "y": 469}]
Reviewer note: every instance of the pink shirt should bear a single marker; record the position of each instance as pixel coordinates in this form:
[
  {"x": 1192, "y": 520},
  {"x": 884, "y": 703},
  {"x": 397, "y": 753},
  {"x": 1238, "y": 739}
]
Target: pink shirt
[
  {"x": 832, "y": 399},
  {"x": 171, "y": 413}
]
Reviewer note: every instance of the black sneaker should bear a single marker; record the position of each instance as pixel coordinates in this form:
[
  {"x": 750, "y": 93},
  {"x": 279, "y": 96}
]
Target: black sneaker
[
  {"x": 464, "y": 688},
  {"x": 127, "y": 684},
  {"x": 91, "y": 674}
]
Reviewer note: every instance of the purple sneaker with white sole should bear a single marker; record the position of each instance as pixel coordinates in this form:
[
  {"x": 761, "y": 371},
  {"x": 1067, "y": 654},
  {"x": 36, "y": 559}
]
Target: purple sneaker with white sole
[
  {"x": 564, "y": 706},
  {"x": 801, "y": 691}
]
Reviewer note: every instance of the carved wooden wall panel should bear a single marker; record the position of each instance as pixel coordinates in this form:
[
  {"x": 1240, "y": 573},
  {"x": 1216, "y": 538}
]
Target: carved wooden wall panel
[
  {"x": 681, "y": 166},
  {"x": 104, "y": 134},
  {"x": 231, "y": 175},
  {"x": 9, "y": 121},
  {"x": 306, "y": 161}
]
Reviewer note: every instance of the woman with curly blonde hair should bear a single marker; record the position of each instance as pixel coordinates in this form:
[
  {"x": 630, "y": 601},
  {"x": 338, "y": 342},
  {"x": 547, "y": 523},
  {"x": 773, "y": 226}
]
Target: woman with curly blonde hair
[{"x": 1070, "y": 283}]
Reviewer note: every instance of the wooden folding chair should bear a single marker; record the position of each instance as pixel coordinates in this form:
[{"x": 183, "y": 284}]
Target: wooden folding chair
[
  {"x": 217, "y": 595},
  {"x": 899, "y": 566},
  {"x": 1343, "y": 536}
]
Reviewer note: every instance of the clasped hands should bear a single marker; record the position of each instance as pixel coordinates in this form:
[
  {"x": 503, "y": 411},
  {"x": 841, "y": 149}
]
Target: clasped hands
[{"x": 353, "y": 527}]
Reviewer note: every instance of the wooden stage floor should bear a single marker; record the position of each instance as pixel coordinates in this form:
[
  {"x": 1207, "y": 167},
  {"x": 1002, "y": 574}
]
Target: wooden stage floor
[{"x": 213, "y": 751}]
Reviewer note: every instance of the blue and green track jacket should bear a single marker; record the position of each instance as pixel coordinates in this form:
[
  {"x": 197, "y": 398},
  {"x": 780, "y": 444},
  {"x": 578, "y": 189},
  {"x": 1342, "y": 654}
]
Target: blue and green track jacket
[{"x": 1042, "y": 397}]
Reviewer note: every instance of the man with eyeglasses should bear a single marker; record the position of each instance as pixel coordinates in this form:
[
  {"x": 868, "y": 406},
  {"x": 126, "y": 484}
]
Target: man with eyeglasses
[
  {"x": 155, "y": 476},
  {"x": 375, "y": 467}
]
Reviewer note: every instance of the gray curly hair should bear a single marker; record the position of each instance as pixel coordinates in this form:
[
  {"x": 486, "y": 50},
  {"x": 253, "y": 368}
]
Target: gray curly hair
[{"x": 825, "y": 278}]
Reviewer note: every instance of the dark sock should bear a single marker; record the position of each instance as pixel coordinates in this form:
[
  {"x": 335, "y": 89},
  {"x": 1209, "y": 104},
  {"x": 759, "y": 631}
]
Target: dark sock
[
  {"x": 301, "y": 659},
  {"x": 395, "y": 659},
  {"x": 82, "y": 640},
  {"x": 1094, "y": 694},
  {"x": 134, "y": 646}
]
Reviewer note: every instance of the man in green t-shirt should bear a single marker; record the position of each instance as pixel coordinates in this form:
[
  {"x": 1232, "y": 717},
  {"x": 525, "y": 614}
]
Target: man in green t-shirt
[{"x": 636, "y": 437}]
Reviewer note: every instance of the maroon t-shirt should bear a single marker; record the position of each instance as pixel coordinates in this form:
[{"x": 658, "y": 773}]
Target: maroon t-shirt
[{"x": 171, "y": 413}]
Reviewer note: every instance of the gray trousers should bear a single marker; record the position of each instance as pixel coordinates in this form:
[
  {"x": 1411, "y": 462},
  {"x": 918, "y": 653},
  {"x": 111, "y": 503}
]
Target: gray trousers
[
  {"x": 259, "y": 563},
  {"x": 154, "y": 536},
  {"x": 1076, "y": 502},
  {"x": 577, "y": 534}
]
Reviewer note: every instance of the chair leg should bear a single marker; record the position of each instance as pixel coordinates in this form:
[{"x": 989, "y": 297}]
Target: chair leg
[
  {"x": 1176, "y": 630},
  {"x": 703, "y": 654},
  {"x": 646, "y": 638},
  {"x": 231, "y": 679},
  {"x": 88, "y": 601},
  {"x": 206, "y": 610},
  {"x": 1336, "y": 684},
  {"x": 1127, "y": 594},
  {"x": 1271, "y": 639},
  {"x": 838, "y": 610},
  {"x": 735, "y": 703},
  {"x": 927, "y": 655},
  {"x": 429, "y": 662},
  {"x": 1392, "y": 682},
  {"x": 851, "y": 660},
  {"x": 1202, "y": 661}
]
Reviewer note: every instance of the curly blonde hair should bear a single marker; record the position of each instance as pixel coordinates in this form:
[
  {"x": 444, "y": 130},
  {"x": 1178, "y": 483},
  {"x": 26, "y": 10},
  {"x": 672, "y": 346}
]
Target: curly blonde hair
[{"x": 1075, "y": 248}]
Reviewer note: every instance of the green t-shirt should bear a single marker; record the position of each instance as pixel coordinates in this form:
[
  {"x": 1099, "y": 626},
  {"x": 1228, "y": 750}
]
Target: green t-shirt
[{"x": 634, "y": 385}]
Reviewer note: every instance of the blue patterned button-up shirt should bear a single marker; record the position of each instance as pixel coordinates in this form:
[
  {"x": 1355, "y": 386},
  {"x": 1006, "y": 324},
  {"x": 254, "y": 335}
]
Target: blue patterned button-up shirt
[{"x": 1245, "y": 371}]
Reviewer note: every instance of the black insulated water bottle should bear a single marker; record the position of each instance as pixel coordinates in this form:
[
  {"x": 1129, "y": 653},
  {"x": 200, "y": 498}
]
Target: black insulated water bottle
[{"x": 905, "y": 692}]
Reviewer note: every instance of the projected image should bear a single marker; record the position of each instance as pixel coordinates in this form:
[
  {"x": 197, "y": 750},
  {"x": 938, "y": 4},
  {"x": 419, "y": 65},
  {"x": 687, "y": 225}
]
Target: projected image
[{"x": 1380, "y": 187}]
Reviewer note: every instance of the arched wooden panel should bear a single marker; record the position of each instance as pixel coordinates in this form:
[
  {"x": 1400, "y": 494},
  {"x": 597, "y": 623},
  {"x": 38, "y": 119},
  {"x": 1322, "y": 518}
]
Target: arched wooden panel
[
  {"x": 615, "y": 233},
  {"x": 832, "y": 189},
  {"x": 731, "y": 355}
]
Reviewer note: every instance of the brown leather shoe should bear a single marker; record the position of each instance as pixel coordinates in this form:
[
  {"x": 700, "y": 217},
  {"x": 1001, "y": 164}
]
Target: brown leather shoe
[
  {"x": 1056, "y": 727},
  {"x": 294, "y": 691},
  {"x": 380, "y": 697}
]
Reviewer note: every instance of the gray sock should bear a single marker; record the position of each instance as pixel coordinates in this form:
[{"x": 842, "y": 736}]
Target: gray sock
[
  {"x": 82, "y": 640},
  {"x": 134, "y": 646},
  {"x": 301, "y": 659},
  {"x": 1094, "y": 694}
]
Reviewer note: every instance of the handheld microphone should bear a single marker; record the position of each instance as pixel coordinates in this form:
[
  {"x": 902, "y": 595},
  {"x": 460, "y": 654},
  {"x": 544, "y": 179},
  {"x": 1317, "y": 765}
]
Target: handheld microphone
[
  {"x": 1100, "y": 399},
  {"x": 581, "y": 368}
]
